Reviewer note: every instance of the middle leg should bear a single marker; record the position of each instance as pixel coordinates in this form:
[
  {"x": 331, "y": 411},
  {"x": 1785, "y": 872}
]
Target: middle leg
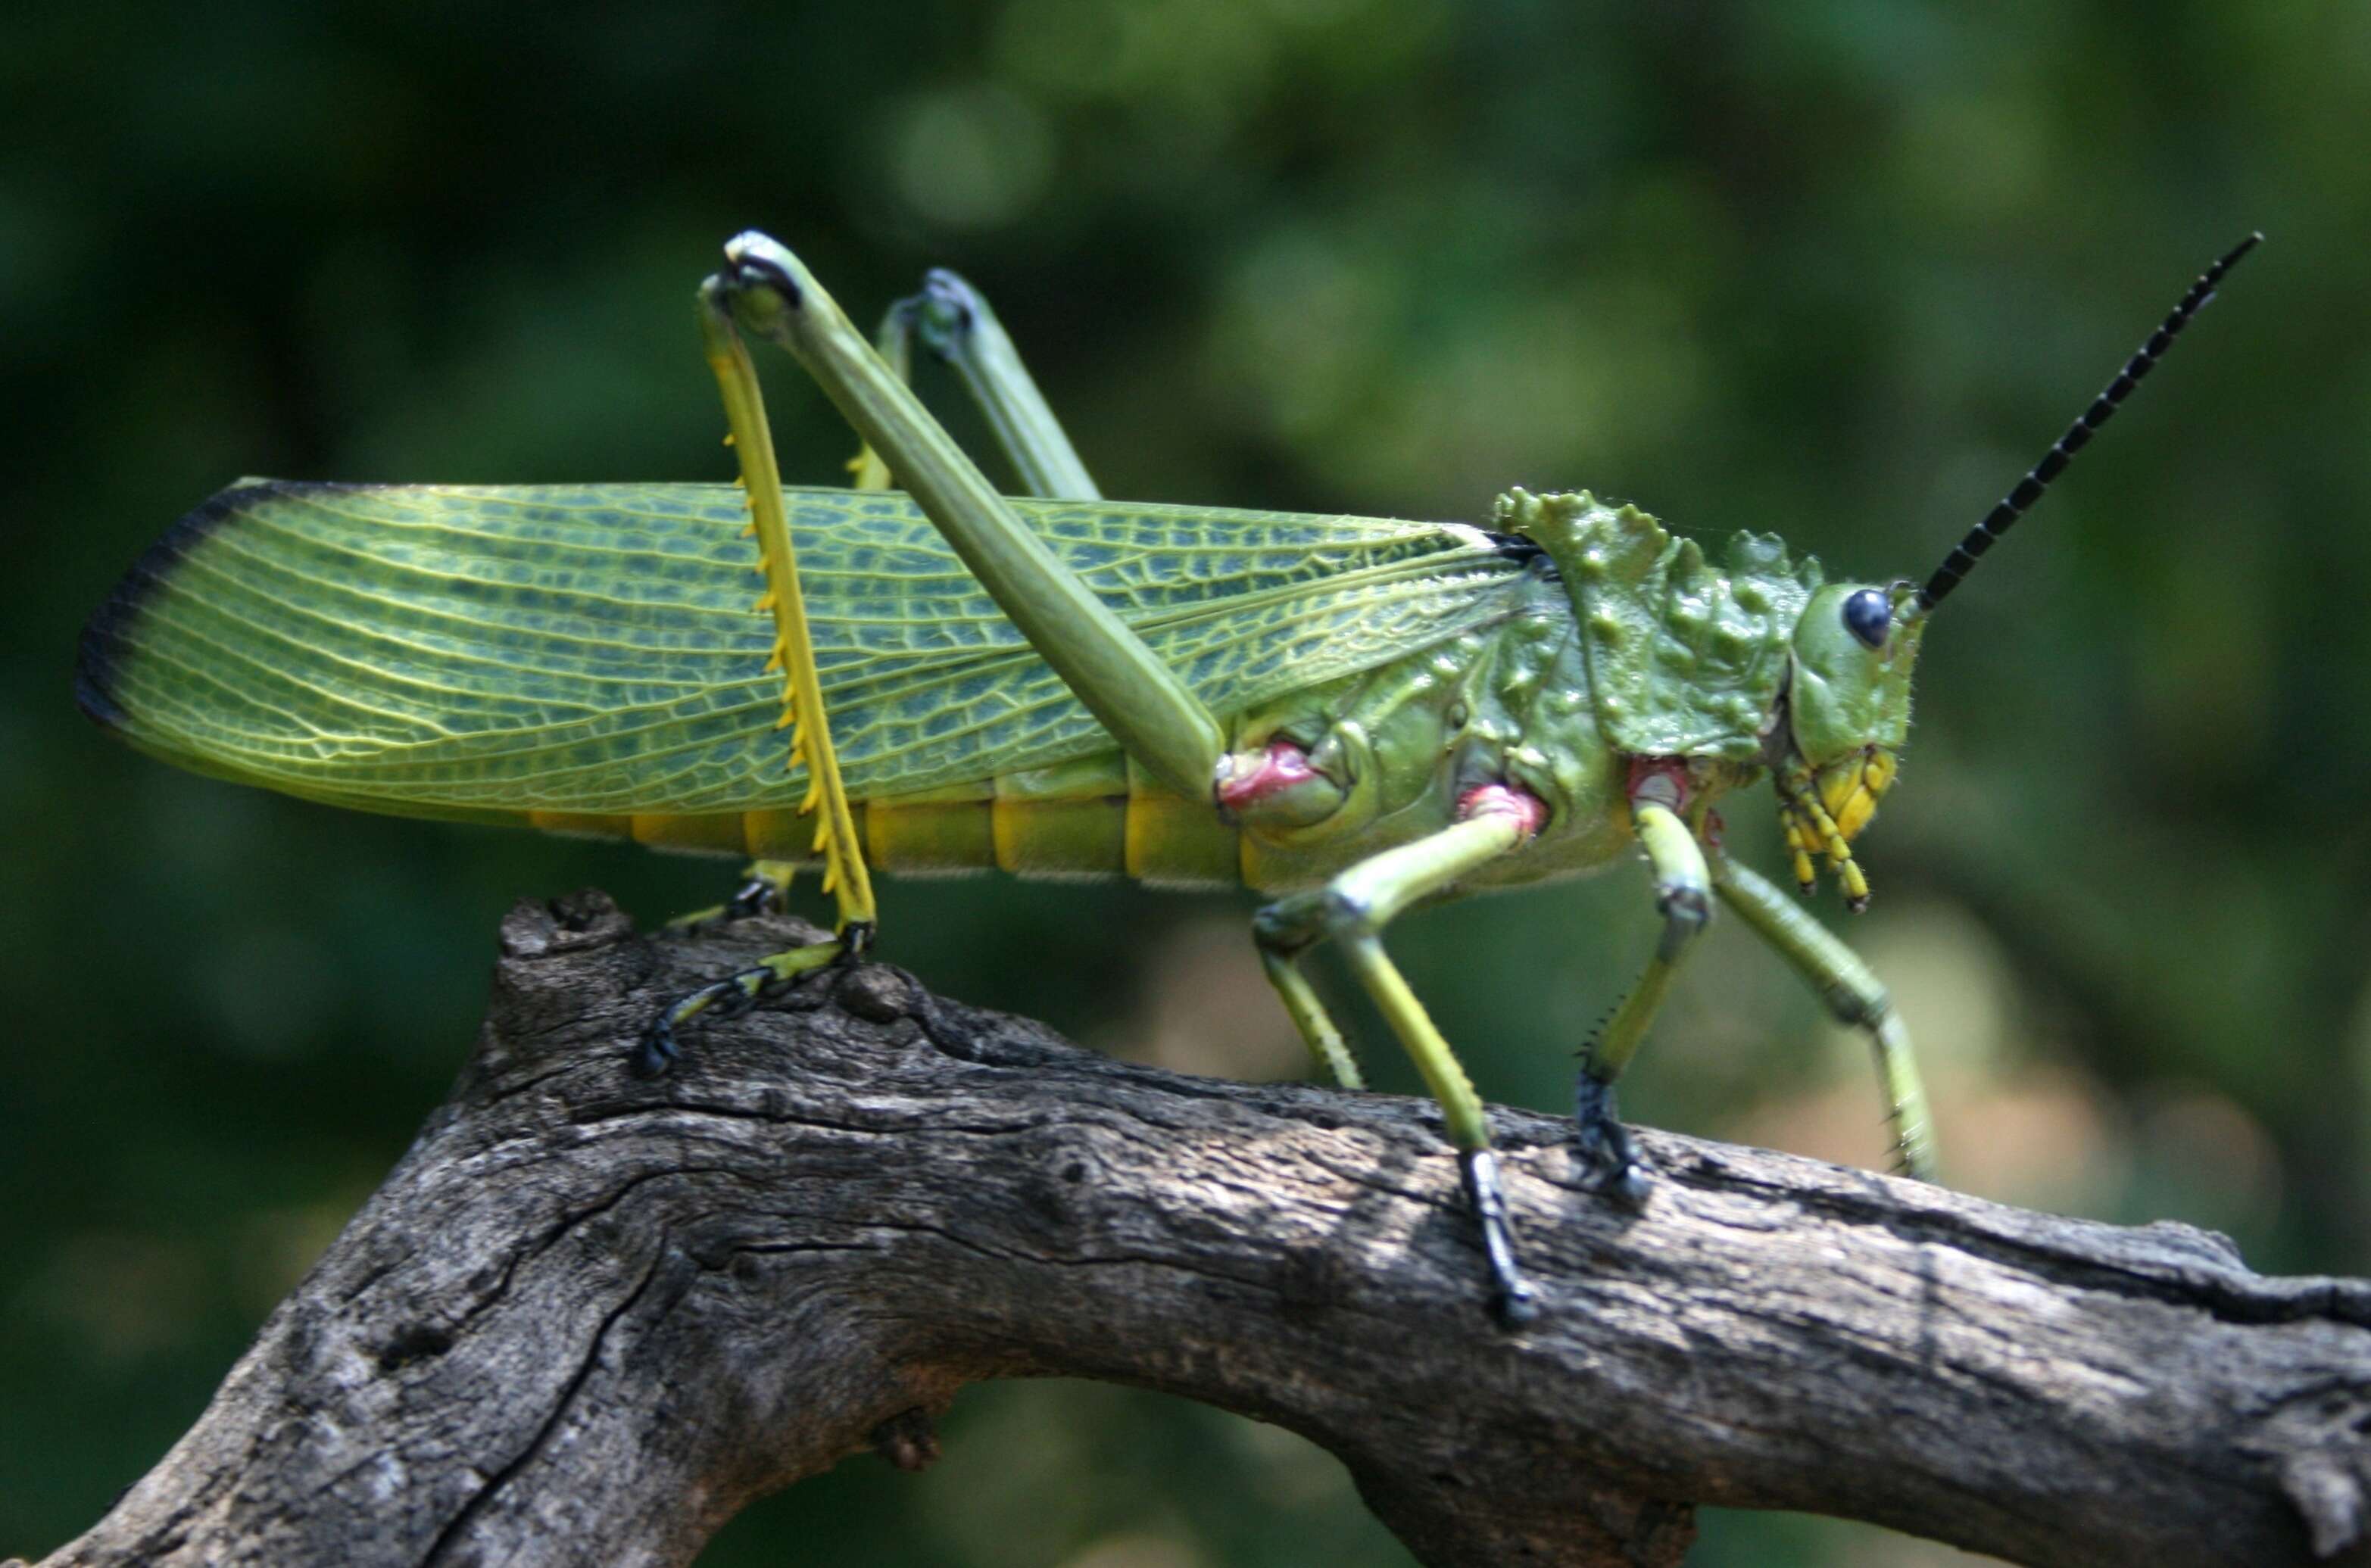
[{"x": 1353, "y": 909}]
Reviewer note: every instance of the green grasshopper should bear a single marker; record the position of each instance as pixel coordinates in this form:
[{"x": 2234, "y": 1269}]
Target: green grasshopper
[{"x": 1355, "y": 715}]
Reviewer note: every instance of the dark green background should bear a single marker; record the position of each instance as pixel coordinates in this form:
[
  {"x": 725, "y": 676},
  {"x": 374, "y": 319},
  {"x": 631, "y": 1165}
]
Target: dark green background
[{"x": 1838, "y": 269}]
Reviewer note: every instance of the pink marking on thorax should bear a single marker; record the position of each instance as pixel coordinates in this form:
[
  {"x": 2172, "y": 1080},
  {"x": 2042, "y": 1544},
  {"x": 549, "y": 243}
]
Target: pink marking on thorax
[
  {"x": 1281, "y": 767},
  {"x": 1529, "y": 811},
  {"x": 1663, "y": 779}
]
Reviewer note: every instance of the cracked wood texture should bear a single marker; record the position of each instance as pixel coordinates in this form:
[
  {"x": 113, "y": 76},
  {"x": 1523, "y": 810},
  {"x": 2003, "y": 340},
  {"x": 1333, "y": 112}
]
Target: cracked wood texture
[{"x": 588, "y": 1317}]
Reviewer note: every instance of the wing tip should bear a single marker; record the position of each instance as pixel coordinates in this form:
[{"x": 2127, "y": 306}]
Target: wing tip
[{"x": 106, "y": 639}]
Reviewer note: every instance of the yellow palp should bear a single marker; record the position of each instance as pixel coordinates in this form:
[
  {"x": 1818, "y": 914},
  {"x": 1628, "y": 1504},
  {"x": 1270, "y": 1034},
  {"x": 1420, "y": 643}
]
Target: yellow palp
[
  {"x": 1823, "y": 811},
  {"x": 1854, "y": 814},
  {"x": 1856, "y": 886},
  {"x": 1838, "y": 785},
  {"x": 1824, "y": 832},
  {"x": 1805, "y": 877}
]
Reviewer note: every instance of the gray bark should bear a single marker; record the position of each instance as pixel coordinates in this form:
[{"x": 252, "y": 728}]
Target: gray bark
[{"x": 587, "y": 1317}]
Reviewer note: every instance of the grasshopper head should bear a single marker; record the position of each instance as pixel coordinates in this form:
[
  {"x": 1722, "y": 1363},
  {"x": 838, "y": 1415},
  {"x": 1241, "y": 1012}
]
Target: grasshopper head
[{"x": 1848, "y": 712}]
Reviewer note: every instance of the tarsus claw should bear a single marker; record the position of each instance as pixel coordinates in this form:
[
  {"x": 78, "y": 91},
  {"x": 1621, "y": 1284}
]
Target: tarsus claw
[
  {"x": 1516, "y": 1304},
  {"x": 758, "y": 895},
  {"x": 1616, "y": 1170},
  {"x": 1511, "y": 1296},
  {"x": 656, "y": 1052}
]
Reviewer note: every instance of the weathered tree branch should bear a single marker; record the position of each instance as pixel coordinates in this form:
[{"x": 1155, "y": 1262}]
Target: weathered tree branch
[{"x": 588, "y": 1318}]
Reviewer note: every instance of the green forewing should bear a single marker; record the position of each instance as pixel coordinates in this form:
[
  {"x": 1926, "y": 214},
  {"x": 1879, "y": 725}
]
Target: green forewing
[
  {"x": 595, "y": 649},
  {"x": 1684, "y": 659}
]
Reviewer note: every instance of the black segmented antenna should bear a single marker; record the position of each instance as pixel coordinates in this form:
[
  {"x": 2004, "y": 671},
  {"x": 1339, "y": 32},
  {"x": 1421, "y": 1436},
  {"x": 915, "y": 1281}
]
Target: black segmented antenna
[{"x": 2012, "y": 506}]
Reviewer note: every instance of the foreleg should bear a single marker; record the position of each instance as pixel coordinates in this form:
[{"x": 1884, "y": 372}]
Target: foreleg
[
  {"x": 1683, "y": 898},
  {"x": 1853, "y": 993}
]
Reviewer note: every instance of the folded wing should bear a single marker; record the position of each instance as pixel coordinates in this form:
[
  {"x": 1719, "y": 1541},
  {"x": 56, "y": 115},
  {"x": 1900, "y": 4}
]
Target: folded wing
[{"x": 486, "y": 652}]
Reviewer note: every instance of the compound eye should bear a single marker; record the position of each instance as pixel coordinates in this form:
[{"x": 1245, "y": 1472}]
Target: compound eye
[{"x": 1868, "y": 617}]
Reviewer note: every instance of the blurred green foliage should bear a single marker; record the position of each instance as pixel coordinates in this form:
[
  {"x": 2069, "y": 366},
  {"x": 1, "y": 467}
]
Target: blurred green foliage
[{"x": 1838, "y": 269}]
